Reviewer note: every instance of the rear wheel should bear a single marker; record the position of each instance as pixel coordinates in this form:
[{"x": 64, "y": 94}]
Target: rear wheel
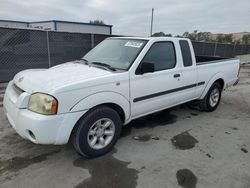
[
  {"x": 212, "y": 98},
  {"x": 97, "y": 132}
]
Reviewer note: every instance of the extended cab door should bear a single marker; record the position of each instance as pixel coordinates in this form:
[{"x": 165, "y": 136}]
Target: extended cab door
[
  {"x": 154, "y": 91},
  {"x": 188, "y": 78}
]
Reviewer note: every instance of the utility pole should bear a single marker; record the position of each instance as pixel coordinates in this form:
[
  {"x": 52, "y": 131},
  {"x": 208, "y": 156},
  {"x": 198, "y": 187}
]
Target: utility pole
[{"x": 152, "y": 19}]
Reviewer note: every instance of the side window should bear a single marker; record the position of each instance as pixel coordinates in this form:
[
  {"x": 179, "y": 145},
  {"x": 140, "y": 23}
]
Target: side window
[
  {"x": 162, "y": 55},
  {"x": 186, "y": 53}
]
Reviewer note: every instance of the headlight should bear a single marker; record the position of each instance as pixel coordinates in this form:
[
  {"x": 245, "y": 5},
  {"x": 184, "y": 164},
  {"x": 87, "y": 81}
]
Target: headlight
[{"x": 43, "y": 104}]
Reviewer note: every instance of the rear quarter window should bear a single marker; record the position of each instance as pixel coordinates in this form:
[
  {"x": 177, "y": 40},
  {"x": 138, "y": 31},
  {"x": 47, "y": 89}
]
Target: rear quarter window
[{"x": 186, "y": 53}]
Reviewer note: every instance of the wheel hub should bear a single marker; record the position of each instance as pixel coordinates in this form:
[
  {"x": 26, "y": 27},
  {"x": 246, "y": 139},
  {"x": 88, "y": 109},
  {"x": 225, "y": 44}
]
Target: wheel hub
[
  {"x": 101, "y": 133},
  {"x": 214, "y": 97}
]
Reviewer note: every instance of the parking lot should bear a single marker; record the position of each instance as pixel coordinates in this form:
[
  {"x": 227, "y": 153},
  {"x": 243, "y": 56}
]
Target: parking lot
[{"x": 173, "y": 148}]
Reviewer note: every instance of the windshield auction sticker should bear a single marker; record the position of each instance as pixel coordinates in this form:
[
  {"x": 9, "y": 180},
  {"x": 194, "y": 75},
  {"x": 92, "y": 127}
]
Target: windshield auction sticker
[{"x": 134, "y": 44}]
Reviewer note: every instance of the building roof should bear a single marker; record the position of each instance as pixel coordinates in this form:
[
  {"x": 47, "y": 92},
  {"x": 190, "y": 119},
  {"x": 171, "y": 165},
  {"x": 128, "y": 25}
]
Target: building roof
[
  {"x": 14, "y": 21},
  {"x": 57, "y": 21}
]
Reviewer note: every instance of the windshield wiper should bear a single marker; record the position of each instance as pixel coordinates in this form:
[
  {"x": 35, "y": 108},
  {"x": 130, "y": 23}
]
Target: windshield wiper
[{"x": 104, "y": 65}]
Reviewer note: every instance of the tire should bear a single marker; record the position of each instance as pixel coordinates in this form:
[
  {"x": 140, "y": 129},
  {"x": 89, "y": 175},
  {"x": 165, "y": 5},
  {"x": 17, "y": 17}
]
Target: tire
[
  {"x": 91, "y": 127},
  {"x": 210, "y": 102}
]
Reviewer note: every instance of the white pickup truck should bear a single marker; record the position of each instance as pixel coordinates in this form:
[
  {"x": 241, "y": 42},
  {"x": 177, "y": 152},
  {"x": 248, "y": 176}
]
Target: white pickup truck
[{"x": 121, "y": 79}]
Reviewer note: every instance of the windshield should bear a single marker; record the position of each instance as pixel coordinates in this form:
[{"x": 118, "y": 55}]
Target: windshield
[{"x": 116, "y": 53}]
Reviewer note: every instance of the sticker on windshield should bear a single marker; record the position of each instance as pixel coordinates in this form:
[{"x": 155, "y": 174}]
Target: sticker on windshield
[{"x": 134, "y": 44}]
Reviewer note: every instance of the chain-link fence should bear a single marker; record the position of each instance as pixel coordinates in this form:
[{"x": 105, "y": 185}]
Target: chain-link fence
[
  {"x": 220, "y": 49},
  {"x": 22, "y": 49}
]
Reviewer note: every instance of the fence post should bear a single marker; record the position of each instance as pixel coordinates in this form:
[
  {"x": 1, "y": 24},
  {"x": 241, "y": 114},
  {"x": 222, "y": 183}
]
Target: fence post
[
  {"x": 241, "y": 51},
  {"x": 92, "y": 40},
  {"x": 234, "y": 49},
  {"x": 47, "y": 36}
]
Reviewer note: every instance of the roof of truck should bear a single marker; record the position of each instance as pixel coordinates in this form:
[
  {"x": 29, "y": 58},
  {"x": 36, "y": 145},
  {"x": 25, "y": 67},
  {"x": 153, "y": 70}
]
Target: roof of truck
[{"x": 154, "y": 38}]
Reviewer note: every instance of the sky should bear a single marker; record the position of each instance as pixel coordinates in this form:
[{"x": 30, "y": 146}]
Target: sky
[{"x": 133, "y": 17}]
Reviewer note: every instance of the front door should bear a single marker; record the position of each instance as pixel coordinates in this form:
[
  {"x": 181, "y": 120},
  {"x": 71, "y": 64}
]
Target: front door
[{"x": 154, "y": 91}]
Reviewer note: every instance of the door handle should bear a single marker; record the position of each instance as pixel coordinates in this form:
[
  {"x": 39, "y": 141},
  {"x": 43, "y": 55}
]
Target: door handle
[{"x": 176, "y": 75}]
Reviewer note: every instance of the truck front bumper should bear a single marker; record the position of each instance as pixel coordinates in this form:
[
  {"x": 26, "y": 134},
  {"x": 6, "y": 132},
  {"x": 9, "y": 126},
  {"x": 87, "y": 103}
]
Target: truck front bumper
[{"x": 38, "y": 128}]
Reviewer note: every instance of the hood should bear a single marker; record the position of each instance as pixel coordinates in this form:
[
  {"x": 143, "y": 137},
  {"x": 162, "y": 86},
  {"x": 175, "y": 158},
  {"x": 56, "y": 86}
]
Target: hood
[{"x": 45, "y": 80}]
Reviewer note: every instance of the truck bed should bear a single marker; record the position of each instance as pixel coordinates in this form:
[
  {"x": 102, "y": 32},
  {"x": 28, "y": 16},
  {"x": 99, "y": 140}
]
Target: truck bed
[{"x": 227, "y": 68}]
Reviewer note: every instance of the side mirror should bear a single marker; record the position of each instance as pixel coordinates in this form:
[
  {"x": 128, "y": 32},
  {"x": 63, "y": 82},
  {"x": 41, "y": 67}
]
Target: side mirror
[{"x": 146, "y": 67}]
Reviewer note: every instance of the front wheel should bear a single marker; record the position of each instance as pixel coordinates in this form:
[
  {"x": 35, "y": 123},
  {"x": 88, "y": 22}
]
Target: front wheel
[
  {"x": 97, "y": 132},
  {"x": 212, "y": 98}
]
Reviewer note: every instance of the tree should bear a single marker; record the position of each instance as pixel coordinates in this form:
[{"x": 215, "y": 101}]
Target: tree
[
  {"x": 191, "y": 36},
  {"x": 246, "y": 39},
  {"x": 198, "y": 36},
  {"x": 161, "y": 34},
  {"x": 179, "y": 36},
  {"x": 203, "y": 36},
  {"x": 224, "y": 38},
  {"x": 220, "y": 38},
  {"x": 228, "y": 38},
  {"x": 97, "y": 22},
  {"x": 158, "y": 34}
]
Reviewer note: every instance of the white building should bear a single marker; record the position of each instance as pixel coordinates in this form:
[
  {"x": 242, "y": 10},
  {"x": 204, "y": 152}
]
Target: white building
[
  {"x": 15, "y": 24},
  {"x": 58, "y": 25}
]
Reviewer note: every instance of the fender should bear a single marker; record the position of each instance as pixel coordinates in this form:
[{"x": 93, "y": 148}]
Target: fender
[
  {"x": 82, "y": 107},
  {"x": 102, "y": 98},
  {"x": 217, "y": 76}
]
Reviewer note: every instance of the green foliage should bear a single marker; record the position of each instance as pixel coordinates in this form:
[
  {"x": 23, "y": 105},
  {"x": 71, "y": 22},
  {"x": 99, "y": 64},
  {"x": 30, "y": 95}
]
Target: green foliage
[
  {"x": 161, "y": 34},
  {"x": 219, "y": 38},
  {"x": 228, "y": 38},
  {"x": 246, "y": 39},
  {"x": 179, "y": 36},
  {"x": 224, "y": 38},
  {"x": 207, "y": 36},
  {"x": 198, "y": 36}
]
